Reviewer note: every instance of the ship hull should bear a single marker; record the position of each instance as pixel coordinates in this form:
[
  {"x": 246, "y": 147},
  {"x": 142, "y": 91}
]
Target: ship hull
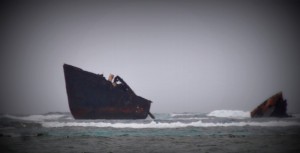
[
  {"x": 91, "y": 96},
  {"x": 274, "y": 106}
]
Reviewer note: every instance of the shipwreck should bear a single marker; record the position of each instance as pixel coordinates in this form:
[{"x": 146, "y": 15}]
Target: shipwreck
[
  {"x": 91, "y": 96},
  {"x": 274, "y": 106}
]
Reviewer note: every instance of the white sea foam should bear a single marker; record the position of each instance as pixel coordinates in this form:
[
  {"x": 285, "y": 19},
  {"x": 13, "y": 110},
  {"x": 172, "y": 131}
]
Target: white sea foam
[
  {"x": 192, "y": 118},
  {"x": 36, "y": 118},
  {"x": 154, "y": 124},
  {"x": 180, "y": 114},
  {"x": 187, "y": 116},
  {"x": 229, "y": 113},
  {"x": 63, "y": 120}
]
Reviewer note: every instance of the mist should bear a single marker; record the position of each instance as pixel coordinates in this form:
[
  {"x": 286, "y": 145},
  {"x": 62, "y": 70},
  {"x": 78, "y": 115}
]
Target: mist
[{"x": 184, "y": 56}]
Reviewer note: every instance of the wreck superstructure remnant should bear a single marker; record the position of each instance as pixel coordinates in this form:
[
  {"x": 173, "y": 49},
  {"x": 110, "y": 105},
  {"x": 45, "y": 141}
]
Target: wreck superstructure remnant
[
  {"x": 91, "y": 96},
  {"x": 274, "y": 106}
]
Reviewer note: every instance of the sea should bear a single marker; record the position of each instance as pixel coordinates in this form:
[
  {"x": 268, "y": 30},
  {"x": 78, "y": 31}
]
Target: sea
[{"x": 220, "y": 131}]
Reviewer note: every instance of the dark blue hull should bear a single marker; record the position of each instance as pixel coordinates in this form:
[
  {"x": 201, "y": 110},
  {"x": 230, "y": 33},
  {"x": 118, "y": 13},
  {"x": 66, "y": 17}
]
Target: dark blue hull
[{"x": 91, "y": 96}]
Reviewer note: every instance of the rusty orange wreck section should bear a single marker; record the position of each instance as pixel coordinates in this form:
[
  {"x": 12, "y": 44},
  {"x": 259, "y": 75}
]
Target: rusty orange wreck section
[{"x": 275, "y": 106}]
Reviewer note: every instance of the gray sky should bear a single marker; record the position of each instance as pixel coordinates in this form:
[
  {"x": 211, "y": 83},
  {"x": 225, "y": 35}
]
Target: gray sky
[{"x": 185, "y": 56}]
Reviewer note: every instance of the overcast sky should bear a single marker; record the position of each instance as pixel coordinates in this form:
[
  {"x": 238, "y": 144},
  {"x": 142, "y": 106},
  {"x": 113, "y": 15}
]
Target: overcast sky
[{"x": 185, "y": 56}]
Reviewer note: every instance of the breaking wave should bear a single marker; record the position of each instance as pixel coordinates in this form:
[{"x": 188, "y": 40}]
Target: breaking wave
[
  {"x": 180, "y": 114},
  {"x": 188, "y": 116},
  {"x": 154, "y": 124},
  {"x": 217, "y": 118},
  {"x": 36, "y": 118},
  {"x": 230, "y": 114}
]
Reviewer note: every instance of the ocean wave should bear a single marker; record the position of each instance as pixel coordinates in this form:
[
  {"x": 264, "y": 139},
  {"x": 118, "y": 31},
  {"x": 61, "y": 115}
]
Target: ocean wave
[
  {"x": 36, "y": 118},
  {"x": 181, "y": 114},
  {"x": 188, "y": 116},
  {"x": 154, "y": 124},
  {"x": 229, "y": 113},
  {"x": 177, "y": 121},
  {"x": 192, "y": 118}
]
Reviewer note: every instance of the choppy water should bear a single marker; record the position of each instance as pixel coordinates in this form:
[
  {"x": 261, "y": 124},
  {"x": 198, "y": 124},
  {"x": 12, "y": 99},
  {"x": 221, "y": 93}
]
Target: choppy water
[{"x": 217, "y": 131}]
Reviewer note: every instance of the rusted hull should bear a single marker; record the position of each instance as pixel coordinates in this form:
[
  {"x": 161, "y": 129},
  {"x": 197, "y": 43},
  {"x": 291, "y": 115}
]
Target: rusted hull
[
  {"x": 274, "y": 106},
  {"x": 91, "y": 96}
]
